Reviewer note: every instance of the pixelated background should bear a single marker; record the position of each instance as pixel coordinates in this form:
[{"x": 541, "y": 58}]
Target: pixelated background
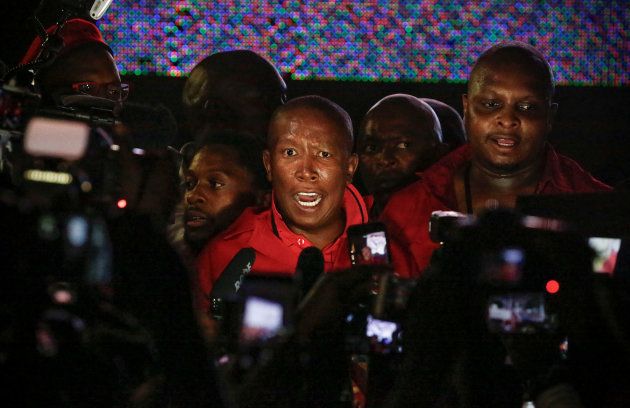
[
  {"x": 586, "y": 42},
  {"x": 357, "y": 52}
]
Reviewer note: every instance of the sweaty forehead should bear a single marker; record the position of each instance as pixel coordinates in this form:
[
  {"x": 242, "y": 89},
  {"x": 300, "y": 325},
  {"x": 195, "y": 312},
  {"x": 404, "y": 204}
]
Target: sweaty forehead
[{"x": 304, "y": 119}]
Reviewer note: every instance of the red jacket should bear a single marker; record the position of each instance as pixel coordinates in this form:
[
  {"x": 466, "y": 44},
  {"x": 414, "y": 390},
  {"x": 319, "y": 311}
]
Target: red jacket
[
  {"x": 408, "y": 211},
  {"x": 278, "y": 248}
]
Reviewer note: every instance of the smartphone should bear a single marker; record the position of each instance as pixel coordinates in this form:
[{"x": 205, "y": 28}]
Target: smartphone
[
  {"x": 368, "y": 244},
  {"x": 606, "y": 251},
  {"x": 263, "y": 319},
  {"x": 384, "y": 336},
  {"x": 520, "y": 313},
  {"x": 267, "y": 305}
]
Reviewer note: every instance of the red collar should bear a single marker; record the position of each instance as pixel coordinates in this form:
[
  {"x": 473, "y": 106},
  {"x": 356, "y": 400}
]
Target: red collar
[
  {"x": 439, "y": 177},
  {"x": 356, "y": 213}
]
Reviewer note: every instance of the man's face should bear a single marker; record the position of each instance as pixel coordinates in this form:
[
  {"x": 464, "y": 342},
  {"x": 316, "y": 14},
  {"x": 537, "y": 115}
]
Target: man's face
[
  {"x": 507, "y": 115},
  {"x": 87, "y": 70},
  {"x": 309, "y": 165},
  {"x": 395, "y": 144},
  {"x": 218, "y": 189},
  {"x": 238, "y": 102}
]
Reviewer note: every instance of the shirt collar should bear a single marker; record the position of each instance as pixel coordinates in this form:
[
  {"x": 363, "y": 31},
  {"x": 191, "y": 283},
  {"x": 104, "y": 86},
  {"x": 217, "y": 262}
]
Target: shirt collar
[
  {"x": 553, "y": 178},
  {"x": 353, "y": 205}
]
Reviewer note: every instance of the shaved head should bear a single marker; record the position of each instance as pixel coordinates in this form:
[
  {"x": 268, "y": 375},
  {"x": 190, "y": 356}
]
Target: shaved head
[
  {"x": 408, "y": 106},
  {"x": 333, "y": 112},
  {"x": 399, "y": 136},
  {"x": 453, "y": 132},
  {"x": 515, "y": 56},
  {"x": 233, "y": 91}
]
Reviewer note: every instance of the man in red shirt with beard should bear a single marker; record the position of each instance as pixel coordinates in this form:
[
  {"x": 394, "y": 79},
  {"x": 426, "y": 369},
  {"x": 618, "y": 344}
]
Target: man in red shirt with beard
[{"x": 508, "y": 113}]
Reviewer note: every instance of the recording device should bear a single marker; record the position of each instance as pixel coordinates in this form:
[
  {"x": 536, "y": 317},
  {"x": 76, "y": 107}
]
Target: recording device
[
  {"x": 310, "y": 266},
  {"x": 268, "y": 307},
  {"x": 520, "y": 313},
  {"x": 520, "y": 303},
  {"x": 254, "y": 321},
  {"x": 368, "y": 244},
  {"x": 48, "y": 147},
  {"x": 601, "y": 218},
  {"x": 606, "y": 253},
  {"x": 227, "y": 286},
  {"x": 379, "y": 323},
  {"x": 443, "y": 224}
]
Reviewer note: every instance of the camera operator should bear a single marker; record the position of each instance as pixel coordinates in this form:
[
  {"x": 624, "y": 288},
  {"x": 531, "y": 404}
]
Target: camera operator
[
  {"x": 457, "y": 356},
  {"x": 130, "y": 339},
  {"x": 83, "y": 66},
  {"x": 310, "y": 164}
]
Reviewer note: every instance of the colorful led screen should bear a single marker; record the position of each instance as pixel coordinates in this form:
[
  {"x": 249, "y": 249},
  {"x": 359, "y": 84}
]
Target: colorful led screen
[{"x": 585, "y": 41}]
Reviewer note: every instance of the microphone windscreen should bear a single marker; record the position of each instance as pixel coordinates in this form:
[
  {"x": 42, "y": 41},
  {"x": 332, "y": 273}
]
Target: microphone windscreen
[
  {"x": 229, "y": 281},
  {"x": 310, "y": 266}
]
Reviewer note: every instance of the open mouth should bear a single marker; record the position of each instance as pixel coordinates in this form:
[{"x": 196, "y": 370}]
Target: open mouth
[
  {"x": 308, "y": 199},
  {"x": 195, "y": 219},
  {"x": 506, "y": 142}
]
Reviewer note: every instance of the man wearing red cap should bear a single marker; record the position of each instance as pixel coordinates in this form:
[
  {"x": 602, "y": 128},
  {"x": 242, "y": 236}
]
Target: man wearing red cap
[{"x": 84, "y": 66}]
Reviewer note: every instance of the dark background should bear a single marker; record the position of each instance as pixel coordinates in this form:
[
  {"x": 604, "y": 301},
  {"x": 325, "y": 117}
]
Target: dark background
[{"x": 592, "y": 125}]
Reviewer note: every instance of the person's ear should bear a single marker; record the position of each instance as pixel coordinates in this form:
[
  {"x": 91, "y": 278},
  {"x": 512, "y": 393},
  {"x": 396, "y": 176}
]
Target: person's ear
[
  {"x": 353, "y": 163},
  {"x": 267, "y": 163}
]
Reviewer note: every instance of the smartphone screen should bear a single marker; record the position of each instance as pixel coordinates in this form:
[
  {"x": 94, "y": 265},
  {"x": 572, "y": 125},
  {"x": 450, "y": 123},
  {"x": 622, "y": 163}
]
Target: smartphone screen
[
  {"x": 505, "y": 266},
  {"x": 368, "y": 244},
  {"x": 384, "y": 336},
  {"x": 606, "y": 251},
  {"x": 265, "y": 311},
  {"x": 262, "y": 320},
  {"x": 520, "y": 313}
]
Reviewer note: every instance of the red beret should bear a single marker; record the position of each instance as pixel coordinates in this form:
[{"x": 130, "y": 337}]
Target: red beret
[{"x": 75, "y": 32}]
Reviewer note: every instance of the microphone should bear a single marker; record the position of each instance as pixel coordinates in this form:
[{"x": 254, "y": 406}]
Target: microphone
[
  {"x": 230, "y": 280},
  {"x": 310, "y": 265}
]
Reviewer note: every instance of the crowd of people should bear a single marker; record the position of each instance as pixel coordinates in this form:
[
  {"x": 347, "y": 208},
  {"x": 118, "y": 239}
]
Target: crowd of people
[{"x": 263, "y": 180}]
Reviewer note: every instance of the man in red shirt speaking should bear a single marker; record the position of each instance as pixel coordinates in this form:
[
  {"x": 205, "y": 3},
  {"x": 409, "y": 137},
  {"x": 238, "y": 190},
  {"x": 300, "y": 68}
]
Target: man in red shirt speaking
[{"x": 310, "y": 164}]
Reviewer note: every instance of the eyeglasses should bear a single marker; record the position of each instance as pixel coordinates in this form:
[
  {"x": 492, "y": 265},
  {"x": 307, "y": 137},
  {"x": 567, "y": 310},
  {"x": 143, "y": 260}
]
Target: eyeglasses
[{"x": 114, "y": 91}]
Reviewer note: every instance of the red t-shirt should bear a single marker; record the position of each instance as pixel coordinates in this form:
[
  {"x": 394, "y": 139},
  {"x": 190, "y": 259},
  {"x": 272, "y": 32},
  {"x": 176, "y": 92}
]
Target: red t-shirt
[
  {"x": 278, "y": 248},
  {"x": 408, "y": 211}
]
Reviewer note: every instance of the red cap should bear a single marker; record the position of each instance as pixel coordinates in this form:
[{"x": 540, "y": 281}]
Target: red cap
[{"x": 74, "y": 33}]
